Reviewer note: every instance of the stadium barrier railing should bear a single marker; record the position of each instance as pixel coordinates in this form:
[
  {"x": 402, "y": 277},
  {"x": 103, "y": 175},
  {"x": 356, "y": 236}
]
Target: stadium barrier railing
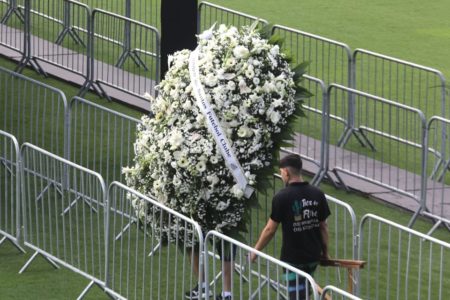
[
  {"x": 59, "y": 35},
  {"x": 329, "y": 60},
  {"x": 12, "y": 26},
  {"x": 401, "y": 262},
  {"x": 435, "y": 201},
  {"x": 100, "y": 138},
  {"x": 311, "y": 131},
  {"x": 385, "y": 146},
  {"x": 64, "y": 214},
  {"x": 210, "y": 14},
  {"x": 331, "y": 292},
  {"x": 10, "y": 212},
  {"x": 400, "y": 81},
  {"x": 125, "y": 55},
  {"x": 33, "y": 112},
  {"x": 152, "y": 259},
  {"x": 265, "y": 278}
]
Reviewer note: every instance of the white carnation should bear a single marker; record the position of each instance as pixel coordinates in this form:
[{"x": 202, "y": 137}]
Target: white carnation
[
  {"x": 176, "y": 139},
  {"x": 240, "y": 52}
]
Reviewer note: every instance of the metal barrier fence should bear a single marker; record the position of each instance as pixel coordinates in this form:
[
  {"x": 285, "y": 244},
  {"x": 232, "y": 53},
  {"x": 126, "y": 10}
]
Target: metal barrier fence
[
  {"x": 384, "y": 146},
  {"x": 59, "y": 34},
  {"x": 436, "y": 203},
  {"x": 12, "y": 26},
  {"x": 342, "y": 226},
  {"x": 145, "y": 11},
  {"x": 125, "y": 54},
  {"x": 10, "y": 219},
  {"x": 343, "y": 244},
  {"x": 32, "y": 111},
  {"x": 12, "y": 9},
  {"x": 210, "y": 13},
  {"x": 309, "y": 141},
  {"x": 401, "y": 81},
  {"x": 266, "y": 278},
  {"x": 64, "y": 214},
  {"x": 100, "y": 139},
  {"x": 330, "y": 60},
  {"x": 149, "y": 254},
  {"x": 401, "y": 263},
  {"x": 335, "y": 293}
]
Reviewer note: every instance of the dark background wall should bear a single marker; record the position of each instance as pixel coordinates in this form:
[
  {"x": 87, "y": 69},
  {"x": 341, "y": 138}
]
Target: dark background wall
[{"x": 178, "y": 28}]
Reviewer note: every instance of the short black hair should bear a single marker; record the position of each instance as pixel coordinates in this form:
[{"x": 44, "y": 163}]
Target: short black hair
[{"x": 292, "y": 160}]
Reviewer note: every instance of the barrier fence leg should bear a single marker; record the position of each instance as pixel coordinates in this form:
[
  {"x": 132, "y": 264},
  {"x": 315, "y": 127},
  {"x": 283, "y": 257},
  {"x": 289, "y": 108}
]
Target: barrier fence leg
[
  {"x": 15, "y": 244},
  {"x": 27, "y": 264},
  {"x": 89, "y": 286},
  {"x": 27, "y": 58},
  {"x": 86, "y": 289},
  {"x": 12, "y": 9},
  {"x": 68, "y": 29},
  {"x": 127, "y": 51},
  {"x": 74, "y": 202}
]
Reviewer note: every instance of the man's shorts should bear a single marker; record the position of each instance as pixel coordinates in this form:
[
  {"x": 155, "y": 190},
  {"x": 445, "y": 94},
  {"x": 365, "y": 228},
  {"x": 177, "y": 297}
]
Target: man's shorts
[
  {"x": 297, "y": 285},
  {"x": 227, "y": 252}
]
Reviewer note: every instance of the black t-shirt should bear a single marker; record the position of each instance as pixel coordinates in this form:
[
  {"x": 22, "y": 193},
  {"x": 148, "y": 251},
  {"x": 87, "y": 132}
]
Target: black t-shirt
[{"x": 300, "y": 207}]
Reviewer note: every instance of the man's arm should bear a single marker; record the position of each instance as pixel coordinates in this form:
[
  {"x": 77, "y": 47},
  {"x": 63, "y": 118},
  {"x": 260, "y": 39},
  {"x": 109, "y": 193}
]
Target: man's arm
[
  {"x": 323, "y": 227},
  {"x": 266, "y": 235}
]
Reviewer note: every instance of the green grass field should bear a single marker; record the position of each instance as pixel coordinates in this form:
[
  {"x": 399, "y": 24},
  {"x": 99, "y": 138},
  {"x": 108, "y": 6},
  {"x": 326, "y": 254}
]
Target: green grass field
[{"x": 418, "y": 32}]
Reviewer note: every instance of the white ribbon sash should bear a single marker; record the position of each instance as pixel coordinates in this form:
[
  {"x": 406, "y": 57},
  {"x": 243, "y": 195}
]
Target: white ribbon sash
[{"x": 214, "y": 127}]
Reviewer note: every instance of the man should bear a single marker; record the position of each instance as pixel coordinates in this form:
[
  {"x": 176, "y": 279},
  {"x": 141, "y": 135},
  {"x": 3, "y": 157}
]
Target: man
[
  {"x": 226, "y": 256},
  {"x": 302, "y": 210}
]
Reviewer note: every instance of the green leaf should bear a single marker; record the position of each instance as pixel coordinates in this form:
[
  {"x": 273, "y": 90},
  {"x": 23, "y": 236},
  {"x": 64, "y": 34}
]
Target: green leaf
[
  {"x": 300, "y": 70},
  {"x": 302, "y": 93},
  {"x": 276, "y": 40},
  {"x": 266, "y": 31}
]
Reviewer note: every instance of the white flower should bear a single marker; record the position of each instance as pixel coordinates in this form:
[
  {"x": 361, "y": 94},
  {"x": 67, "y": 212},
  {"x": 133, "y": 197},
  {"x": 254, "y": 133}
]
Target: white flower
[
  {"x": 249, "y": 73},
  {"x": 157, "y": 184},
  {"x": 231, "y": 85},
  {"x": 176, "y": 139},
  {"x": 234, "y": 110},
  {"x": 275, "y": 117},
  {"x": 244, "y": 131},
  {"x": 275, "y": 50},
  {"x": 207, "y": 34},
  {"x": 230, "y": 62},
  {"x": 187, "y": 105},
  {"x": 176, "y": 181},
  {"x": 214, "y": 160},
  {"x": 244, "y": 89},
  {"x": 213, "y": 179},
  {"x": 256, "y": 80},
  {"x": 127, "y": 170},
  {"x": 277, "y": 102},
  {"x": 240, "y": 52},
  {"x": 201, "y": 166},
  {"x": 210, "y": 80},
  {"x": 148, "y": 97},
  {"x": 221, "y": 206},
  {"x": 183, "y": 162},
  {"x": 237, "y": 191}
]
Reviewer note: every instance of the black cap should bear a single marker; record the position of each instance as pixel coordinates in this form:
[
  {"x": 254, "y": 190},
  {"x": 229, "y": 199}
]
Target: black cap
[{"x": 291, "y": 160}]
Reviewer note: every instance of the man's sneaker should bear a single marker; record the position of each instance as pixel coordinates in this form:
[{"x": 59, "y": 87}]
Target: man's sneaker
[
  {"x": 194, "y": 293},
  {"x": 219, "y": 297}
]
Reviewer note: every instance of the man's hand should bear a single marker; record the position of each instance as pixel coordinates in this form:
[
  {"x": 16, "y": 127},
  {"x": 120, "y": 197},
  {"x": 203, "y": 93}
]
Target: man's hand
[
  {"x": 325, "y": 256},
  {"x": 252, "y": 257}
]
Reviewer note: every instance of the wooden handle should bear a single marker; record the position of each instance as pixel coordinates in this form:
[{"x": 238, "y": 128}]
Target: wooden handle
[{"x": 344, "y": 263}]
